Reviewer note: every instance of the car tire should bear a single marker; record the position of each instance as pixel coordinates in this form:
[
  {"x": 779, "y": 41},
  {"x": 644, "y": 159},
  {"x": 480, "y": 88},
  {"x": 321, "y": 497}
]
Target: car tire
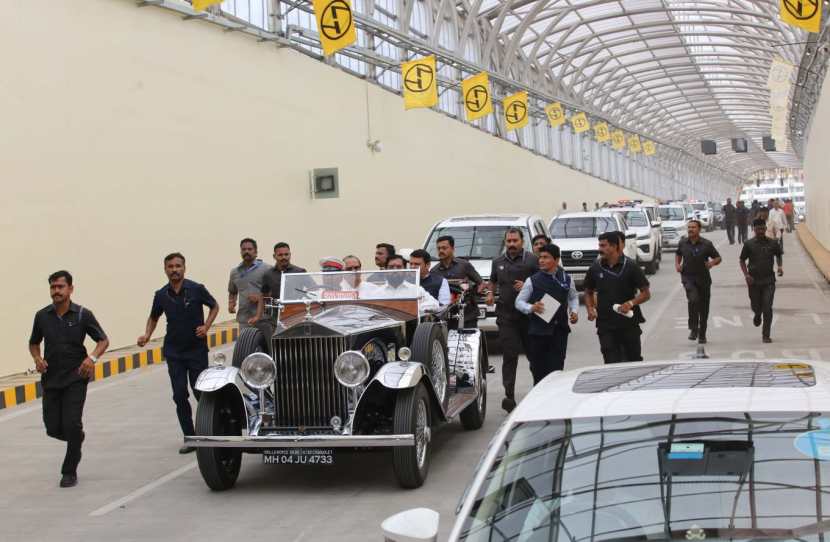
[
  {"x": 429, "y": 347},
  {"x": 219, "y": 466},
  {"x": 652, "y": 266},
  {"x": 472, "y": 417},
  {"x": 413, "y": 417},
  {"x": 250, "y": 340}
]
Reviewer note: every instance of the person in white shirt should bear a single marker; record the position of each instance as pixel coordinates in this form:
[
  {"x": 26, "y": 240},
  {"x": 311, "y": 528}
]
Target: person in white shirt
[
  {"x": 396, "y": 286},
  {"x": 776, "y": 222}
]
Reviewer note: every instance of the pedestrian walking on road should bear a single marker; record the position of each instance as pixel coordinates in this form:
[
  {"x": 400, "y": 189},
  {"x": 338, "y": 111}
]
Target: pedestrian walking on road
[
  {"x": 508, "y": 275},
  {"x": 776, "y": 222},
  {"x": 694, "y": 257},
  {"x": 615, "y": 287},
  {"x": 539, "y": 240},
  {"x": 272, "y": 281},
  {"x": 185, "y": 344},
  {"x": 548, "y": 335},
  {"x": 729, "y": 220},
  {"x": 66, "y": 368},
  {"x": 756, "y": 262},
  {"x": 789, "y": 213},
  {"x": 742, "y": 221},
  {"x": 245, "y": 283}
]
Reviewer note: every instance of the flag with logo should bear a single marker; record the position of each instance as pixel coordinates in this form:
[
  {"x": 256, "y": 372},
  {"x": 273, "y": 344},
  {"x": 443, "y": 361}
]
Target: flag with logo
[
  {"x": 804, "y": 14},
  {"x": 335, "y": 24},
  {"x": 515, "y": 111},
  {"x": 634, "y": 144},
  {"x": 580, "y": 123},
  {"x": 476, "y": 93},
  {"x": 555, "y": 114},
  {"x": 601, "y": 132},
  {"x": 649, "y": 148},
  {"x": 201, "y": 5},
  {"x": 420, "y": 84},
  {"x": 618, "y": 140}
]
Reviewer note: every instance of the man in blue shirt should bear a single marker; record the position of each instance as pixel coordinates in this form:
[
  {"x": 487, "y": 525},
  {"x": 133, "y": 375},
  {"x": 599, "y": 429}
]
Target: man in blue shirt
[{"x": 185, "y": 344}]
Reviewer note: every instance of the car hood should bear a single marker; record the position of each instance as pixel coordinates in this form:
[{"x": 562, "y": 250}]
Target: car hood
[
  {"x": 673, "y": 223},
  {"x": 577, "y": 243},
  {"x": 339, "y": 320},
  {"x": 640, "y": 230}
]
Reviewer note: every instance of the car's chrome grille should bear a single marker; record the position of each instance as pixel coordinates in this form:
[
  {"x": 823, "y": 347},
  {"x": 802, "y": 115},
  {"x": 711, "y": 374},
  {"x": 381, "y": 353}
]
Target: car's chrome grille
[
  {"x": 587, "y": 258},
  {"x": 306, "y": 393}
]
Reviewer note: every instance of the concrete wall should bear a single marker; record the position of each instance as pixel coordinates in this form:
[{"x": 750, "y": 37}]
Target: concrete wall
[
  {"x": 129, "y": 133},
  {"x": 817, "y": 170}
]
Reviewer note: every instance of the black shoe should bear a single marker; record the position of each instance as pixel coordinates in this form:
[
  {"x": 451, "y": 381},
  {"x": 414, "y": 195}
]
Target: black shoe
[
  {"x": 508, "y": 404},
  {"x": 69, "y": 480},
  {"x": 766, "y": 340},
  {"x": 186, "y": 449},
  {"x": 693, "y": 335},
  {"x": 701, "y": 339},
  {"x": 756, "y": 320}
]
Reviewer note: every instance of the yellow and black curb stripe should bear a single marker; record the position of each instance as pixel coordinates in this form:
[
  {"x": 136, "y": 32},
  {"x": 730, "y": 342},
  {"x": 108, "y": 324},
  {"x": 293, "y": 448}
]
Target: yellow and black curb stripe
[{"x": 30, "y": 391}]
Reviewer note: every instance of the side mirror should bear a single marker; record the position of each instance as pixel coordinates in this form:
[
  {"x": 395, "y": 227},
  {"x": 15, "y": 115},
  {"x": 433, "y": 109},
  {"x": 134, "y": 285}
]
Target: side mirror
[
  {"x": 415, "y": 525},
  {"x": 630, "y": 235}
]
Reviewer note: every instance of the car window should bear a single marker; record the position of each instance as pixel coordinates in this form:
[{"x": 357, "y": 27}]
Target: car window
[
  {"x": 699, "y": 206},
  {"x": 580, "y": 227},
  {"x": 672, "y": 213},
  {"x": 474, "y": 242},
  {"x": 636, "y": 218}
]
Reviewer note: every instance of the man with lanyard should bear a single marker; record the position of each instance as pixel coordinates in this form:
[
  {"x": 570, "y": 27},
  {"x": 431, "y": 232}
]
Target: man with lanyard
[
  {"x": 620, "y": 287},
  {"x": 272, "y": 279},
  {"x": 742, "y": 221},
  {"x": 508, "y": 276},
  {"x": 185, "y": 345},
  {"x": 694, "y": 258},
  {"x": 548, "y": 340},
  {"x": 245, "y": 283},
  {"x": 729, "y": 220},
  {"x": 66, "y": 368},
  {"x": 760, "y": 278},
  {"x": 452, "y": 268},
  {"x": 436, "y": 285}
]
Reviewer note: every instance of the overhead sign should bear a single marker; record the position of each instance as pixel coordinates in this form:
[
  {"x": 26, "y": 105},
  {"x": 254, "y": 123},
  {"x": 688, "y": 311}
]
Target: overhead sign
[
  {"x": 515, "y": 111},
  {"x": 601, "y": 132},
  {"x": 420, "y": 83},
  {"x": 476, "y": 93},
  {"x": 804, "y": 14},
  {"x": 649, "y": 148},
  {"x": 618, "y": 140},
  {"x": 335, "y": 23},
  {"x": 580, "y": 123},
  {"x": 201, "y": 5},
  {"x": 555, "y": 114},
  {"x": 634, "y": 144}
]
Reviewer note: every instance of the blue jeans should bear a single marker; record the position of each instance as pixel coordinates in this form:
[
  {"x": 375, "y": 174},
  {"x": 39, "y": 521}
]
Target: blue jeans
[{"x": 182, "y": 370}]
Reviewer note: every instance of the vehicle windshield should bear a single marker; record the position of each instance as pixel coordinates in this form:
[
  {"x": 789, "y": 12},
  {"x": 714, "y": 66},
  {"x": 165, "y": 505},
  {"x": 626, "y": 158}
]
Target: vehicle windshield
[
  {"x": 699, "y": 206},
  {"x": 743, "y": 476},
  {"x": 581, "y": 227},
  {"x": 474, "y": 242},
  {"x": 672, "y": 213},
  {"x": 636, "y": 218},
  {"x": 350, "y": 285}
]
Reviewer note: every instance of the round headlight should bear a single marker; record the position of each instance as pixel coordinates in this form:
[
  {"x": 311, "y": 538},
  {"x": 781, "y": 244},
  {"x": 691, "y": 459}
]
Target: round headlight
[
  {"x": 258, "y": 370},
  {"x": 219, "y": 359},
  {"x": 404, "y": 354},
  {"x": 351, "y": 368}
]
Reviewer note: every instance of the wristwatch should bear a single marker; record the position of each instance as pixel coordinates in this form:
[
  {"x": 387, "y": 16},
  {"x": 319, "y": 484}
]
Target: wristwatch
[{"x": 93, "y": 358}]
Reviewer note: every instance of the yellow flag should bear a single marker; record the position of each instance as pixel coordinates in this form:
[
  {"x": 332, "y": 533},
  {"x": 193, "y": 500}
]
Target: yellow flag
[
  {"x": 476, "y": 92},
  {"x": 201, "y": 5},
  {"x": 804, "y": 14},
  {"x": 634, "y": 144},
  {"x": 580, "y": 123},
  {"x": 649, "y": 148},
  {"x": 618, "y": 140},
  {"x": 555, "y": 114},
  {"x": 515, "y": 111},
  {"x": 335, "y": 24},
  {"x": 420, "y": 84},
  {"x": 601, "y": 132}
]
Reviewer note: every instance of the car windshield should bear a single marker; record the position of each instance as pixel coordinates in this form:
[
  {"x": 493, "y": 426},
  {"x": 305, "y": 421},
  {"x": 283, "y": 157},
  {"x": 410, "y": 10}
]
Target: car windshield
[
  {"x": 344, "y": 286},
  {"x": 474, "y": 242},
  {"x": 672, "y": 213},
  {"x": 743, "y": 476},
  {"x": 581, "y": 227},
  {"x": 636, "y": 218}
]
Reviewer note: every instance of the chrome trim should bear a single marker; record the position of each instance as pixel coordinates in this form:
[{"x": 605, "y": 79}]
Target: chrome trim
[{"x": 300, "y": 441}]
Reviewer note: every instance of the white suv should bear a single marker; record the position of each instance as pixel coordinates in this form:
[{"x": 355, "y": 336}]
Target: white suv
[
  {"x": 674, "y": 223},
  {"x": 705, "y": 214},
  {"x": 649, "y": 244}
]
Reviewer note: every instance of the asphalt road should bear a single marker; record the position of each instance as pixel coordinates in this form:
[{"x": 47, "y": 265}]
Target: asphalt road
[{"x": 135, "y": 486}]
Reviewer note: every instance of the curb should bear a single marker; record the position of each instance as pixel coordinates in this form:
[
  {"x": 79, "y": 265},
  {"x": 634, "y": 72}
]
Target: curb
[
  {"x": 111, "y": 366},
  {"x": 819, "y": 254}
]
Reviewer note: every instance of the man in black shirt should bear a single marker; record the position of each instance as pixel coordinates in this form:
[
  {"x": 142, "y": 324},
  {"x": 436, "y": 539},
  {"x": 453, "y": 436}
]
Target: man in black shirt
[
  {"x": 272, "y": 280},
  {"x": 616, "y": 281},
  {"x": 760, "y": 278},
  {"x": 452, "y": 268},
  {"x": 694, "y": 258},
  {"x": 66, "y": 368},
  {"x": 742, "y": 221},
  {"x": 729, "y": 220},
  {"x": 185, "y": 345},
  {"x": 507, "y": 276}
]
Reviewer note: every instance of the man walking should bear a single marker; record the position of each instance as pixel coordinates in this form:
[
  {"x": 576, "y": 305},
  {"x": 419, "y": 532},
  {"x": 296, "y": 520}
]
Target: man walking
[
  {"x": 694, "y": 257},
  {"x": 776, "y": 222},
  {"x": 272, "y": 279},
  {"x": 729, "y": 220},
  {"x": 66, "y": 368},
  {"x": 789, "y": 213},
  {"x": 452, "y": 268},
  {"x": 742, "y": 221},
  {"x": 756, "y": 262},
  {"x": 185, "y": 344},
  {"x": 548, "y": 339},
  {"x": 508, "y": 275},
  {"x": 539, "y": 240},
  {"x": 245, "y": 283},
  {"x": 615, "y": 287}
]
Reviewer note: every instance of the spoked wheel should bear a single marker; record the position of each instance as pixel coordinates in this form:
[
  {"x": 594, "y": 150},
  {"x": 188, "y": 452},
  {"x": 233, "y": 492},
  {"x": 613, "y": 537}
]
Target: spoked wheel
[
  {"x": 428, "y": 348},
  {"x": 412, "y": 416},
  {"x": 219, "y": 466},
  {"x": 472, "y": 417}
]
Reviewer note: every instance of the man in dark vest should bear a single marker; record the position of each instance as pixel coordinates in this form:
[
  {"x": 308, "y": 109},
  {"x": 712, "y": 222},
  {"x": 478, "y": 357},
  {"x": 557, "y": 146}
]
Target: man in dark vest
[
  {"x": 436, "y": 285},
  {"x": 548, "y": 336},
  {"x": 729, "y": 220}
]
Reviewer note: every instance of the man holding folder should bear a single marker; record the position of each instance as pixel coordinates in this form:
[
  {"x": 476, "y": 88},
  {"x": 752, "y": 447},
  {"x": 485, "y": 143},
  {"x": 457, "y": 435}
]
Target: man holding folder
[{"x": 550, "y": 298}]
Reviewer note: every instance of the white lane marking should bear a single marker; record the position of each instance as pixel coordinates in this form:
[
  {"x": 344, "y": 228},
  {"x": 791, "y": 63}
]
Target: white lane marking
[{"x": 143, "y": 490}]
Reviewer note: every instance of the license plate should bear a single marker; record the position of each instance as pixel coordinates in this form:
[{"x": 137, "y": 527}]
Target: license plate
[
  {"x": 298, "y": 456},
  {"x": 578, "y": 276}
]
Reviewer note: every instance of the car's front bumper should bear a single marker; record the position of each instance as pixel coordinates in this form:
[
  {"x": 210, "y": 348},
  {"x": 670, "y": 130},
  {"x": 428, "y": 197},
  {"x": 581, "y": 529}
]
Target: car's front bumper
[{"x": 300, "y": 441}]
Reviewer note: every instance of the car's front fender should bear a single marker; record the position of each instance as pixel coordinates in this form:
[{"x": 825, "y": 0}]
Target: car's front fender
[
  {"x": 216, "y": 377},
  {"x": 395, "y": 376}
]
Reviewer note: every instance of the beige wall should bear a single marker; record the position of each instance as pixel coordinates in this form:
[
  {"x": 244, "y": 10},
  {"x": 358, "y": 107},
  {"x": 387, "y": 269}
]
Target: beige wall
[
  {"x": 129, "y": 133},
  {"x": 817, "y": 170}
]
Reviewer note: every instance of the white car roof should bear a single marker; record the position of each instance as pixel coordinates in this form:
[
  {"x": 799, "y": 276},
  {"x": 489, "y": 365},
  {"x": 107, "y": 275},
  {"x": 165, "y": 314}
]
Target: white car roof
[
  {"x": 485, "y": 220},
  {"x": 680, "y": 387},
  {"x": 591, "y": 214}
]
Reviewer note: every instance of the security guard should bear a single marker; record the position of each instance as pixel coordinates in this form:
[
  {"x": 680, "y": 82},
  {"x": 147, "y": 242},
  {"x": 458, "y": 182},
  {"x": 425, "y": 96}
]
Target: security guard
[
  {"x": 66, "y": 368},
  {"x": 507, "y": 276},
  {"x": 452, "y": 268},
  {"x": 618, "y": 281},
  {"x": 760, "y": 252},
  {"x": 694, "y": 258}
]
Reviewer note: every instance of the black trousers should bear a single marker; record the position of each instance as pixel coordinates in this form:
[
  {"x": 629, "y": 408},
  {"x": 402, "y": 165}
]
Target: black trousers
[
  {"x": 743, "y": 229},
  {"x": 698, "y": 296},
  {"x": 620, "y": 345},
  {"x": 761, "y": 297},
  {"x": 546, "y": 353},
  {"x": 513, "y": 339},
  {"x": 730, "y": 232},
  {"x": 63, "y": 409},
  {"x": 182, "y": 370}
]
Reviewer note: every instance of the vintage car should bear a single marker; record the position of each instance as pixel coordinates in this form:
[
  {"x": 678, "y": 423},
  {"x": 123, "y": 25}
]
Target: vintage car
[{"x": 354, "y": 361}]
